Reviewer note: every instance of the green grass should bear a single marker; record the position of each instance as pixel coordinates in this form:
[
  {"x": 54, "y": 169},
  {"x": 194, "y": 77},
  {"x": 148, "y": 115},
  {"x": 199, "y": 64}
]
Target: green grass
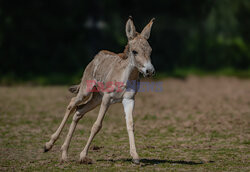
[{"x": 178, "y": 137}]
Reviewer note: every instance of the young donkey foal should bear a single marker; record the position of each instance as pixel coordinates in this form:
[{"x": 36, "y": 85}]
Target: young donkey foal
[{"x": 109, "y": 67}]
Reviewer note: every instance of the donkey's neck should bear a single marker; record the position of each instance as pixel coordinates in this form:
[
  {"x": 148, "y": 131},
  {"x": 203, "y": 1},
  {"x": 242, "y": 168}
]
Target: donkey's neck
[{"x": 130, "y": 72}]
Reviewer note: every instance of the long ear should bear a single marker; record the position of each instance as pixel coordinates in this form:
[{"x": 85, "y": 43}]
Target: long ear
[
  {"x": 147, "y": 29},
  {"x": 130, "y": 29}
]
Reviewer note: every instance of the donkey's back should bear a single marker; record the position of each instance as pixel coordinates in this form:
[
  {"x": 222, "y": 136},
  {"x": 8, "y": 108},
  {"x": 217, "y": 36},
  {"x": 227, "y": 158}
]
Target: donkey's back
[{"x": 106, "y": 66}]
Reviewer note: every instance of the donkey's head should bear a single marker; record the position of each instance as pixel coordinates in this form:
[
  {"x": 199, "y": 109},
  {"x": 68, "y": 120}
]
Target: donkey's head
[{"x": 139, "y": 48}]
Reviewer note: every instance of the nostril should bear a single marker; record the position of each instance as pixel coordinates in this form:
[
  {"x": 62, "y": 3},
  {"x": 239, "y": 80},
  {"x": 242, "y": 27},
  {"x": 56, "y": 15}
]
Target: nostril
[
  {"x": 147, "y": 71},
  {"x": 153, "y": 72}
]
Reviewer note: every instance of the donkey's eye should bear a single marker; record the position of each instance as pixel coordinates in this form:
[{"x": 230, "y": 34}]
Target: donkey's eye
[{"x": 134, "y": 52}]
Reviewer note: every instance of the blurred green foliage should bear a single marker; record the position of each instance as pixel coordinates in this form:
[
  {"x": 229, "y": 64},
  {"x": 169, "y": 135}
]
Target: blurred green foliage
[{"x": 51, "y": 42}]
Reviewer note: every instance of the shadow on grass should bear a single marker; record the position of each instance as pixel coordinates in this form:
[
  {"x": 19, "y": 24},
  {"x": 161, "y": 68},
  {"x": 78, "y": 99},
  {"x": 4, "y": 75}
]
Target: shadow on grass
[{"x": 145, "y": 162}]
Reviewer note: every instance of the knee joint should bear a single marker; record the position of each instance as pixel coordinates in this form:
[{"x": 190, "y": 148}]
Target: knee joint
[{"x": 77, "y": 116}]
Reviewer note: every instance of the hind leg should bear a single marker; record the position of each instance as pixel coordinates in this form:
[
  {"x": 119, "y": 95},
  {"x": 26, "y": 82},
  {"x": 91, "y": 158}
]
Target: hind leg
[
  {"x": 80, "y": 112},
  {"x": 81, "y": 96},
  {"x": 54, "y": 137},
  {"x": 96, "y": 127}
]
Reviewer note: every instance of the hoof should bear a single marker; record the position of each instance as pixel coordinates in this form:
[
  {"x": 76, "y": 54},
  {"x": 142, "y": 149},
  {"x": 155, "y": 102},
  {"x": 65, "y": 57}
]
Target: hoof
[
  {"x": 45, "y": 149},
  {"x": 136, "y": 161},
  {"x": 86, "y": 161}
]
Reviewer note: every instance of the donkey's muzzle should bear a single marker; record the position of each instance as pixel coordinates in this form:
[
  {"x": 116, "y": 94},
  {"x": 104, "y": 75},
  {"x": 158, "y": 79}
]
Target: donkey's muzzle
[{"x": 150, "y": 72}]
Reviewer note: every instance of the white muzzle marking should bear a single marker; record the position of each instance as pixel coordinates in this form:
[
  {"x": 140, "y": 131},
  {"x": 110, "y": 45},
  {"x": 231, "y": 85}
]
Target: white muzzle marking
[{"x": 148, "y": 69}]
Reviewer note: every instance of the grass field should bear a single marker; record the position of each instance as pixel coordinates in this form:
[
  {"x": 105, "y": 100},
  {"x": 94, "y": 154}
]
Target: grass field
[{"x": 196, "y": 124}]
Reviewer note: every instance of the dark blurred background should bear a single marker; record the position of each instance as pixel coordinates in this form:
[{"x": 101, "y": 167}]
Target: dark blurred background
[{"x": 51, "y": 42}]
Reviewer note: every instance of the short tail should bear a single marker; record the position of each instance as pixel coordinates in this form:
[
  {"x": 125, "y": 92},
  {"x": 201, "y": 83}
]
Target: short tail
[{"x": 74, "y": 89}]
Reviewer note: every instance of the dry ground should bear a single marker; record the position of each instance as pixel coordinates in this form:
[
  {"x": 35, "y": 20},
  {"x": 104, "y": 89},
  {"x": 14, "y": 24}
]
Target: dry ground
[{"x": 197, "y": 124}]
